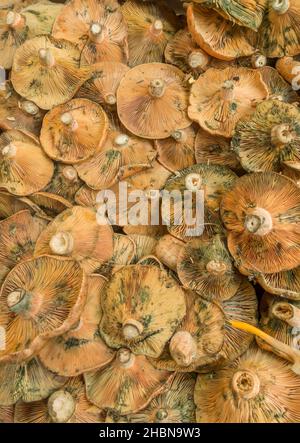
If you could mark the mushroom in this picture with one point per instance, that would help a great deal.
(220, 98)
(142, 306)
(76, 233)
(24, 168)
(66, 405)
(74, 131)
(86, 196)
(50, 204)
(167, 250)
(47, 71)
(145, 100)
(11, 204)
(123, 254)
(278, 88)
(126, 385)
(150, 27)
(65, 182)
(261, 214)
(31, 302)
(289, 68)
(285, 283)
(144, 245)
(96, 27)
(218, 37)
(256, 388)
(269, 137)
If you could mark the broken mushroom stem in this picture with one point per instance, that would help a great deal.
(61, 406)
(15, 20)
(70, 173)
(281, 135)
(15, 297)
(157, 88)
(157, 27)
(132, 329)
(281, 349)
(9, 151)
(287, 312)
(96, 32)
(245, 384)
(280, 6)
(126, 357)
(62, 243)
(179, 135)
(183, 348)
(110, 99)
(216, 267)
(259, 222)
(121, 140)
(29, 107)
(193, 182)
(198, 59)
(46, 57)
(227, 91)
(68, 120)
(258, 60)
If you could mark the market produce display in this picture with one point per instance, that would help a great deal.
(149, 211)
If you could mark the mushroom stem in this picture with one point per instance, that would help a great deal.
(198, 59)
(121, 140)
(193, 182)
(287, 312)
(157, 88)
(281, 6)
(281, 349)
(168, 249)
(61, 406)
(227, 90)
(183, 348)
(110, 99)
(70, 173)
(68, 120)
(157, 27)
(216, 267)
(258, 60)
(9, 151)
(29, 107)
(46, 58)
(259, 222)
(96, 32)
(15, 297)
(126, 357)
(62, 243)
(161, 415)
(132, 329)
(15, 20)
(281, 135)
(19, 302)
(179, 136)
(246, 384)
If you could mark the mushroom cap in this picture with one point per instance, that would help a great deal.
(76, 233)
(214, 149)
(74, 131)
(278, 88)
(285, 283)
(279, 33)
(66, 405)
(103, 83)
(256, 388)
(18, 234)
(120, 156)
(176, 405)
(150, 116)
(167, 250)
(28, 381)
(145, 314)
(205, 266)
(144, 245)
(127, 384)
(123, 254)
(287, 66)
(10, 38)
(7, 414)
(96, 27)
(10, 204)
(24, 167)
(40, 298)
(217, 36)
(150, 27)
(65, 182)
(219, 98)
(50, 204)
(269, 137)
(261, 214)
(177, 152)
(86, 196)
(52, 85)
(80, 349)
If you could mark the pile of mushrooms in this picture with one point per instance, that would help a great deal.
(104, 320)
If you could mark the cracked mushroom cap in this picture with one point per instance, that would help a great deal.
(17, 113)
(96, 27)
(150, 27)
(205, 266)
(7, 414)
(127, 384)
(74, 131)
(269, 137)
(280, 318)
(278, 88)
(103, 83)
(18, 235)
(279, 34)
(50, 204)
(120, 156)
(40, 298)
(18, 26)
(76, 233)
(28, 381)
(47, 71)
(285, 284)
(66, 405)
(177, 152)
(176, 405)
(142, 307)
(261, 214)
(24, 167)
(217, 36)
(256, 388)
(215, 149)
(220, 98)
(80, 349)
(65, 182)
(152, 100)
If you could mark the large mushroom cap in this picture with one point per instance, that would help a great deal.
(150, 27)
(278, 88)
(269, 137)
(152, 100)
(24, 167)
(74, 131)
(261, 213)
(219, 98)
(285, 283)
(50, 204)
(142, 306)
(256, 388)
(47, 71)
(33, 308)
(96, 27)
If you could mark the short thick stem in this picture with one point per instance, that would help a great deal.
(68, 120)
(121, 140)
(157, 27)
(157, 88)
(62, 243)
(287, 312)
(110, 99)
(246, 384)
(198, 59)
(183, 348)
(281, 6)
(46, 58)
(70, 173)
(29, 107)
(9, 151)
(179, 136)
(96, 32)
(227, 91)
(216, 267)
(281, 135)
(61, 406)
(132, 329)
(15, 20)
(161, 415)
(125, 357)
(258, 60)
(259, 222)
(193, 182)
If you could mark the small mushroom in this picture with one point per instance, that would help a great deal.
(65, 182)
